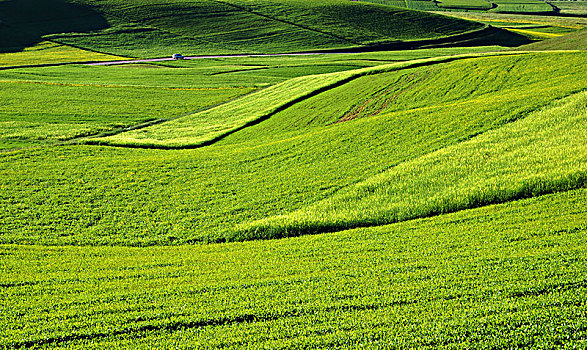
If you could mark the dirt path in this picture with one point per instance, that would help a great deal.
(214, 56)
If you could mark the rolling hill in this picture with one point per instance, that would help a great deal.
(432, 198)
(372, 123)
(158, 28)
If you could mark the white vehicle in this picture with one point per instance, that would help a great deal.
(177, 56)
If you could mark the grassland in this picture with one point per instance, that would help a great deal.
(573, 41)
(149, 197)
(60, 103)
(240, 26)
(438, 201)
(466, 4)
(497, 6)
(542, 153)
(51, 53)
(214, 124)
(208, 126)
(528, 6)
(26, 22)
(574, 8)
(504, 276)
(49, 104)
(534, 27)
(511, 19)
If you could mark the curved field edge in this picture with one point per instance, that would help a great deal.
(543, 153)
(509, 275)
(210, 126)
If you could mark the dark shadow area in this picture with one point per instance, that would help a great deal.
(23, 23)
(487, 36)
(497, 36)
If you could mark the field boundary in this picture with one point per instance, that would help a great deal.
(153, 122)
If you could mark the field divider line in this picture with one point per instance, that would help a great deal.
(78, 140)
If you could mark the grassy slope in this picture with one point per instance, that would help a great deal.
(208, 126)
(573, 41)
(85, 100)
(60, 103)
(25, 22)
(150, 197)
(505, 276)
(543, 153)
(51, 53)
(150, 29)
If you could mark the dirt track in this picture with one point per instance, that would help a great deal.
(213, 56)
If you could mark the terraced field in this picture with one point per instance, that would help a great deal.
(430, 198)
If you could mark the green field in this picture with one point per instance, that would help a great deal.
(411, 181)
(523, 7)
(278, 166)
(154, 29)
(573, 41)
(466, 4)
(506, 276)
(50, 104)
(498, 6)
(571, 7)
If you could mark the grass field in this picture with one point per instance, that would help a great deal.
(574, 41)
(151, 197)
(418, 199)
(241, 26)
(515, 6)
(571, 7)
(51, 53)
(61, 103)
(506, 276)
(499, 6)
(49, 104)
(542, 153)
(466, 4)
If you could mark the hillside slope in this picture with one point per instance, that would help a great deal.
(573, 41)
(159, 28)
(278, 166)
(543, 153)
(507, 276)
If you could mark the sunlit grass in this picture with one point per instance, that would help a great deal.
(543, 153)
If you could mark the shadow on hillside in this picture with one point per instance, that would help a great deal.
(500, 37)
(23, 23)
